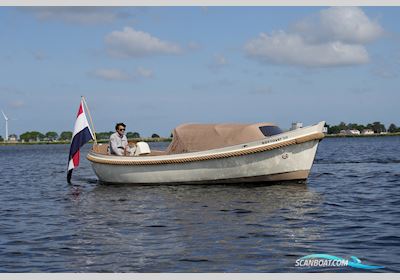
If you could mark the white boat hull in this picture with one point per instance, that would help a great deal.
(283, 157)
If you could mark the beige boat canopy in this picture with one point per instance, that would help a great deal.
(201, 137)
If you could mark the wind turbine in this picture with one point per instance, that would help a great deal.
(6, 119)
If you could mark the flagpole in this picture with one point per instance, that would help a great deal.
(90, 118)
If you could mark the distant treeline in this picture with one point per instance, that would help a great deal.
(129, 135)
(36, 136)
(377, 127)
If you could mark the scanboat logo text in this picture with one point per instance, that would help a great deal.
(324, 260)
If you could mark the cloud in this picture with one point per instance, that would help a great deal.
(133, 43)
(7, 91)
(212, 85)
(38, 55)
(113, 74)
(334, 37)
(80, 15)
(385, 68)
(292, 49)
(219, 61)
(13, 98)
(347, 24)
(144, 73)
(385, 73)
(262, 91)
(194, 46)
(386, 65)
(16, 104)
(361, 90)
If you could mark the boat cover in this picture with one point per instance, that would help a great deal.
(200, 137)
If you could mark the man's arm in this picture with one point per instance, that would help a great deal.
(127, 148)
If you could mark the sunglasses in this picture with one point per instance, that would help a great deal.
(123, 129)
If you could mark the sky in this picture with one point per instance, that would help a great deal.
(154, 68)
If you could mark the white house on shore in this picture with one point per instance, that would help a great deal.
(367, 132)
(350, 132)
(13, 138)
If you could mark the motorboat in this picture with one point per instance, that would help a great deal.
(215, 154)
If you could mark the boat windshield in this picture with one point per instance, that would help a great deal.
(270, 130)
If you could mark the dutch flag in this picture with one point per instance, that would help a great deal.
(82, 134)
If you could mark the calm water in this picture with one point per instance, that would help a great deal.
(349, 207)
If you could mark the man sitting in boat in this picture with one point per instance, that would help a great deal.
(118, 142)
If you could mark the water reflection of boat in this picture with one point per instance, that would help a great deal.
(237, 228)
(204, 154)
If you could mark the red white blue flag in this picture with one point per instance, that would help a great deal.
(82, 134)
